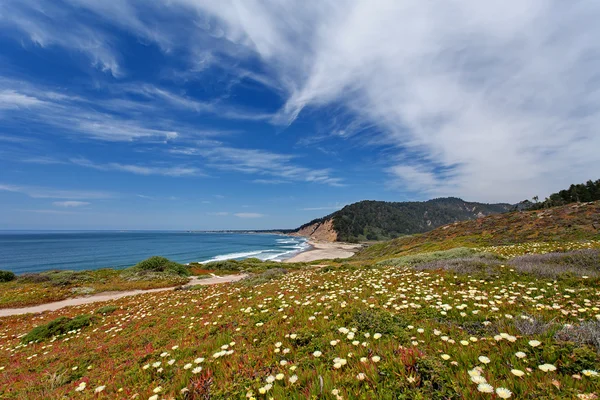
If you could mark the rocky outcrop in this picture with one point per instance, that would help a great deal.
(319, 231)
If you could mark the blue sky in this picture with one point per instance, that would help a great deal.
(186, 114)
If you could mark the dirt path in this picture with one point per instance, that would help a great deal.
(106, 296)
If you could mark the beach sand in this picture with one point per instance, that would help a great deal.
(325, 251)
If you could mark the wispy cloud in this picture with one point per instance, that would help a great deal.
(43, 24)
(261, 162)
(51, 193)
(70, 203)
(176, 171)
(269, 181)
(476, 88)
(11, 100)
(218, 213)
(249, 215)
(49, 211)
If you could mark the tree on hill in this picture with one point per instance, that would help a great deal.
(579, 193)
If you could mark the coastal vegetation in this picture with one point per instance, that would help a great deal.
(570, 227)
(38, 288)
(506, 306)
(382, 220)
(423, 331)
(7, 276)
(577, 193)
(152, 273)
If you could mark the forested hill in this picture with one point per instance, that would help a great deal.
(380, 220)
(579, 193)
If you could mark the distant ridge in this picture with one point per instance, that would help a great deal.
(381, 220)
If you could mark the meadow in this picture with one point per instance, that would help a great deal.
(153, 273)
(469, 325)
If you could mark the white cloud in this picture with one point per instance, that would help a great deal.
(269, 181)
(491, 100)
(48, 24)
(70, 203)
(218, 213)
(51, 193)
(502, 96)
(177, 171)
(261, 162)
(249, 215)
(10, 99)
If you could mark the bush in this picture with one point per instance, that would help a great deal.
(483, 263)
(57, 327)
(411, 260)
(106, 310)
(160, 264)
(530, 326)
(248, 265)
(33, 278)
(7, 276)
(586, 333)
(68, 278)
(265, 277)
(383, 322)
(553, 265)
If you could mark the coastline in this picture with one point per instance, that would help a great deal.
(321, 250)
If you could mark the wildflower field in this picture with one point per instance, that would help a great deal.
(335, 332)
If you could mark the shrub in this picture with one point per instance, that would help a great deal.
(530, 326)
(33, 278)
(68, 278)
(57, 327)
(369, 320)
(586, 333)
(248, 265)
(553, 265)
(411, 260)
(160, 264)
(484, 263)
(106, 310)
(7, 276)
(264, 277)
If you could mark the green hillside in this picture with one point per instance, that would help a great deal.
(573, 222)
(381, 220)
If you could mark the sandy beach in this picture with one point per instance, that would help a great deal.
(325, 251)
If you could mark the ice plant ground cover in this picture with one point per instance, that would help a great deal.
(335, 332)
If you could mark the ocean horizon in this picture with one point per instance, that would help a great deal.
(30, 251)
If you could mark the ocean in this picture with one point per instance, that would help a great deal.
(36, 251)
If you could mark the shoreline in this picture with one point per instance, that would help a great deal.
(321, 250)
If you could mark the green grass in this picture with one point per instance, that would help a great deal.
(57, 327)
(422, 258)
